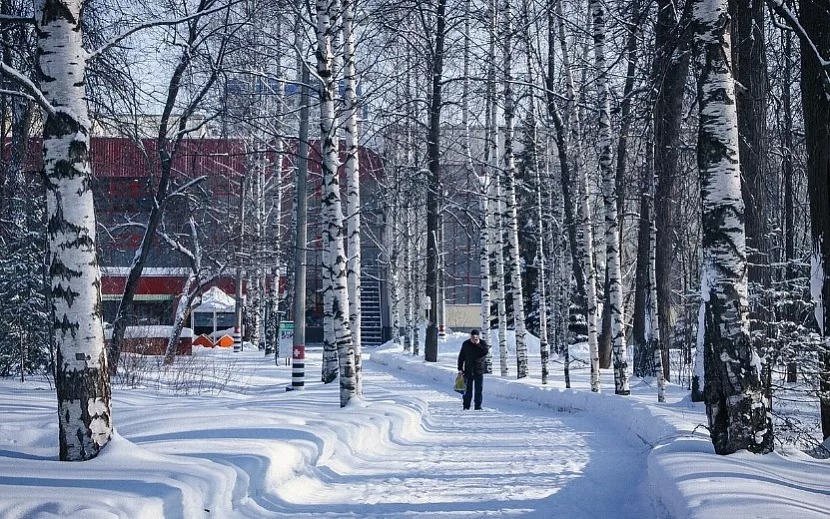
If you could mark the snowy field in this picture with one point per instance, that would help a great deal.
(219, 437)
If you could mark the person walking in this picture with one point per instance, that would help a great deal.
(472, 363)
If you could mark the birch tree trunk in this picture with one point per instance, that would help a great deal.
(483, 191)
(188, 295)
(257, 285)
(577, 169)
(614, 298)
(82, 379)
(510, 220)
(532, 147)
(735, 403)
(541, 259)
(587, 254)
(352, 183)
(408, 344)
(272, 343)
(561, 123)
(336, 296)
(491, 158)
(186, 299)
(653, 335)
(652, 345)
(498, 253)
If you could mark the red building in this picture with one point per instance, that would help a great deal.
(125, 180)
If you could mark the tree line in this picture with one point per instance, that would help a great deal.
(646, 177)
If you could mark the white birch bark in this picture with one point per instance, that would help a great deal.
(652, 316)
(187, 297)
(82, 379)
(418, 220)
(482, 185)
(496, 234)
(350, 102)
(612, 237)
(336, 296)
(272, 331)
(393, 232)
(499, 278)
(590, 276)
(408, 343)
(736, 406)
(541, 256)
(510, 220)
(256, 286)
(579, 172)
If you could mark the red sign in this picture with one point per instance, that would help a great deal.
(299, 353)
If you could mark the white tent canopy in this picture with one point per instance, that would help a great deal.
(214, 301)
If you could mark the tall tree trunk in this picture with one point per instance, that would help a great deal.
(815, 98)
(338, 338)
(670, 69)
(787, 168)
(352, 184)
(483, 189)
(640, 327)
(276, 261)
(577, 168)
(82, 379)
(191, 289)
(434, 183)
(750, 72)
(511, 220)
(166, 150)
(614, 297)
(736, 406)
(495, 195)
(655, 345)
(556, 33)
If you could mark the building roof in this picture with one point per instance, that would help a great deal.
(120, 157)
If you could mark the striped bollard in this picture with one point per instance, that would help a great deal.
(298, 369)
(237, 340)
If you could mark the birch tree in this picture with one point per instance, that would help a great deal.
(338, 335)
(510, 219)
(82, 377)
(736, 407)
(576, 168)
(491, 158)
(614, 297)
(353, 229)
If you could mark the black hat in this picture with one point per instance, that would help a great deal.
(474, 331)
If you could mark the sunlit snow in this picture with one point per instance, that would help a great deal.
(253, 450)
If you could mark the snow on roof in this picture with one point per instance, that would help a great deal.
(216, 300)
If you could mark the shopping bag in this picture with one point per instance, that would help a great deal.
(460, 386)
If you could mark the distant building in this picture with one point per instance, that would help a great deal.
(124, 183)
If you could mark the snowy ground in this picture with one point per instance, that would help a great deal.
(407, 450)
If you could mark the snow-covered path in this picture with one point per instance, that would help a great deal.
(249, 449)
(508, 460)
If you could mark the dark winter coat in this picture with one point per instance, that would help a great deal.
(471, 358)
